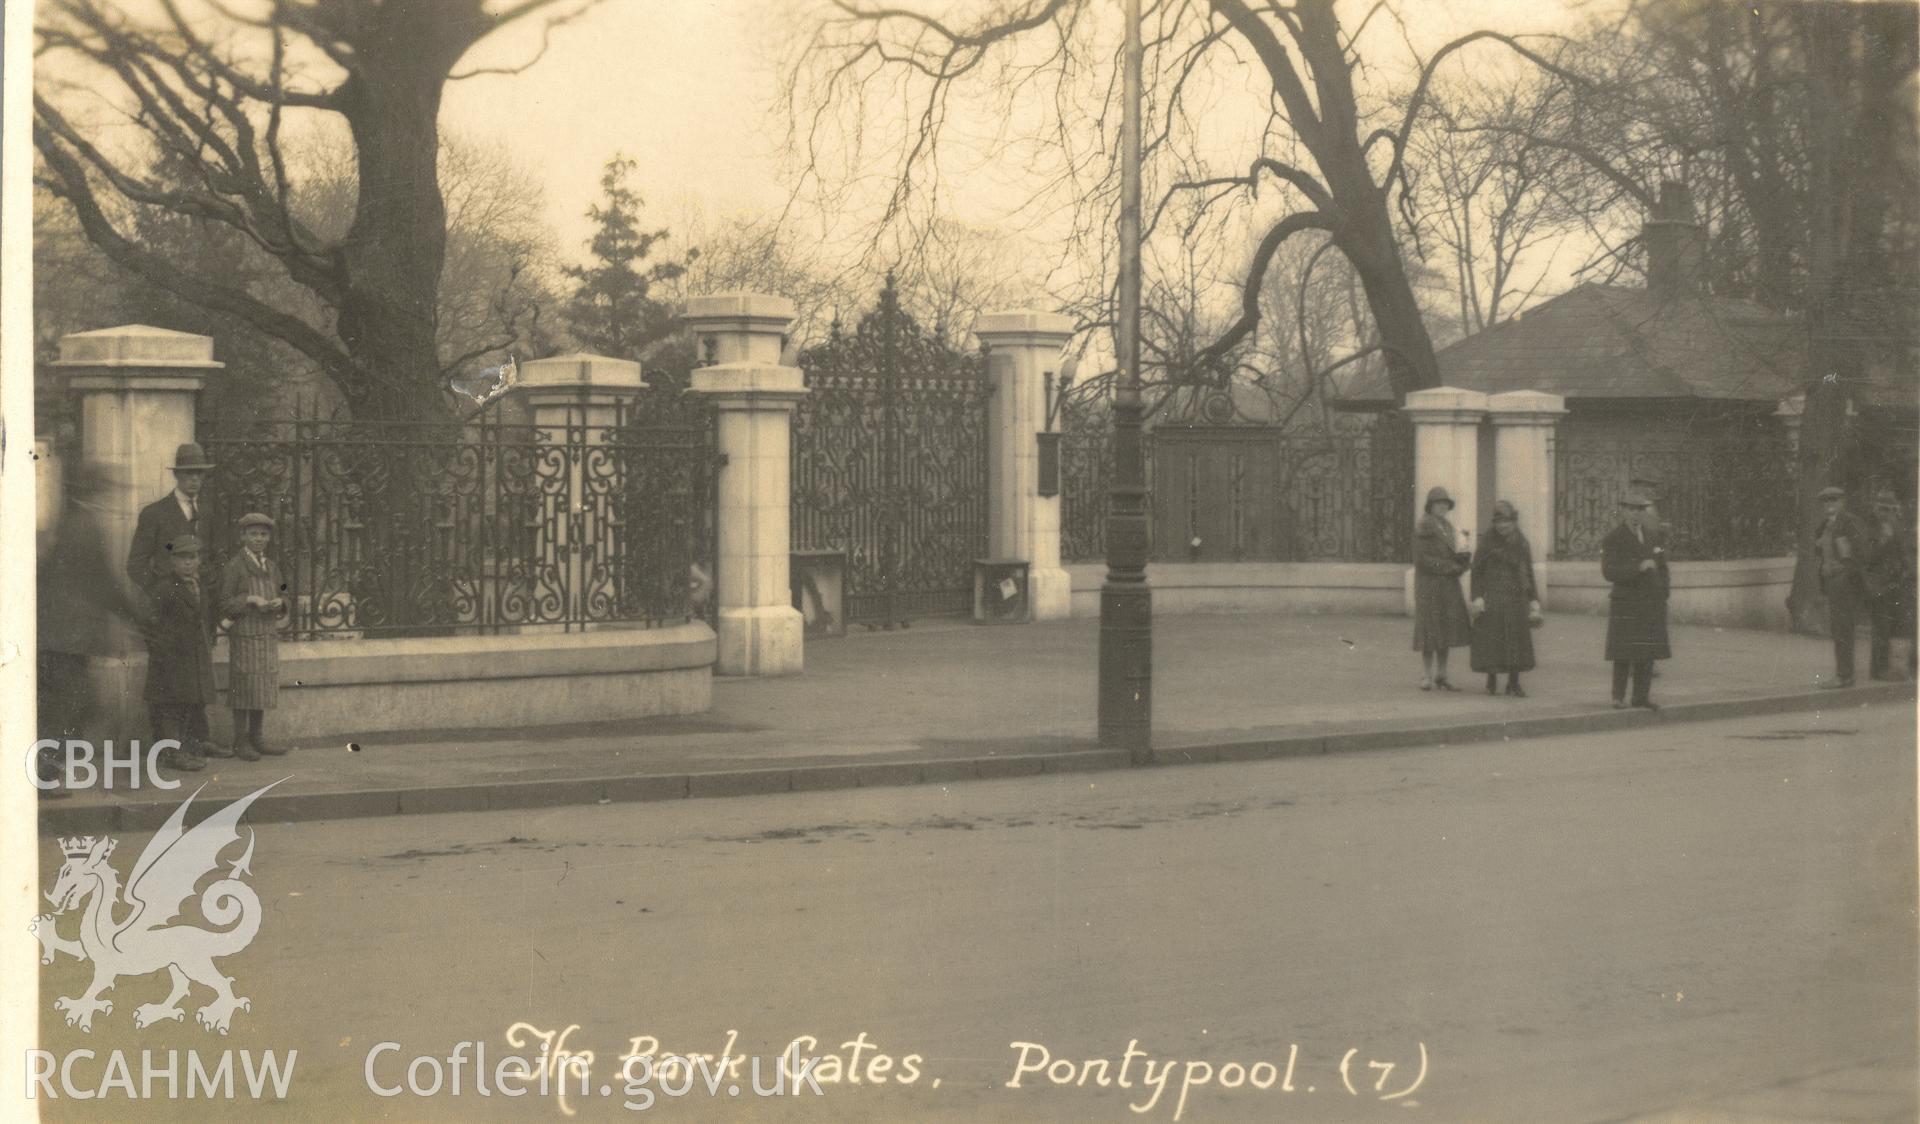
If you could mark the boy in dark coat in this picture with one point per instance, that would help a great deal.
(180, 653)
(1634, 558)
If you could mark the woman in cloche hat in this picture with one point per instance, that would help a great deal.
(1440, 620)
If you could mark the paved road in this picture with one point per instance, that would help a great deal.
(1709, 922)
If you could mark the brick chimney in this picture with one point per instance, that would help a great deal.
(1676, 246)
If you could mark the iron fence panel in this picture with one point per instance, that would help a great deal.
(1245, 492)
(1726, 492)
(489, 526)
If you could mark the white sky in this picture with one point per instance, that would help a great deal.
(674, 84)
(687, 88)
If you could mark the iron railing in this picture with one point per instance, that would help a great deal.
(488, 526)
(1721, 494)
(1246, 492)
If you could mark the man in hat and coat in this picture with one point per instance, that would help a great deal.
(1633, 557)
(1841, 545)
(165, 519)
(180, 650)
(1889, 578)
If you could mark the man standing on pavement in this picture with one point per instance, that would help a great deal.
(161, 522)
(1888, 575)
(1634, 559)
(1841, 544)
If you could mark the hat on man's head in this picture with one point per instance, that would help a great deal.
(1436, 495)
(184, 544)
(255, 519)
(191, 458)
(1635, 498)
(1833, 492)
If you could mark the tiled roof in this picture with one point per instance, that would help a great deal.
(1607, 342)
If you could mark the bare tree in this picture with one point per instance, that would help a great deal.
(1491, 198)
(1797, 123)
(217, 92)
(964, 270)
(1337, 163)
(763, 254)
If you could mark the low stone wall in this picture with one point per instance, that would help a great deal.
(1741, 594)
(1374, 588)
(1747, 593)
(475, 682)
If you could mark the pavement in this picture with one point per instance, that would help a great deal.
(946, 701)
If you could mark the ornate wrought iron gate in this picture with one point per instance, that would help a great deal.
(890, 466)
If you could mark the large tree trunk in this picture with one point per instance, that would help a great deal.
(397, 246)
(1411, 362)
(1364, 229)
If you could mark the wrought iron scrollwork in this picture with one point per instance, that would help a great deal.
(889, 464)
(487, 525)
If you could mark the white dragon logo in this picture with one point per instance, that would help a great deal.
(142, 942)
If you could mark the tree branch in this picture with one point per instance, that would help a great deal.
(1256, 277)
(71, 184)
(1419, 98)
(546, 37)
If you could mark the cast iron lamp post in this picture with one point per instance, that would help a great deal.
(1126, 603)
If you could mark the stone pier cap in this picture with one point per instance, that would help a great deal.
(583, 371)
(136, 345)
(740, 327)
(1024, 326)
(1515, 407)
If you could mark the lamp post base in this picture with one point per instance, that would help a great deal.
(1126, 668)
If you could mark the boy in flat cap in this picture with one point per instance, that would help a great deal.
(180, 654)
(1842, 545)
(1633, 557)
(250, 595)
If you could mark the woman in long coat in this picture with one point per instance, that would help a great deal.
(1440, 620)
(1505, 600)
